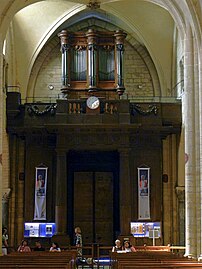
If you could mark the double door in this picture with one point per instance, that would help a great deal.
(93, 204)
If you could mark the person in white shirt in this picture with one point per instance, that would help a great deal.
(4, 241)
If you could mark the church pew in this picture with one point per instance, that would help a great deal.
(153, 248)
(160, 266)
(37, 263)
(151, 260)
(63, 260)
(157, 264)
(34, 264)
(128, 265)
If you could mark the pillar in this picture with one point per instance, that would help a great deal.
(1, 139)
(119, 41)
(170, 212)
(200, 113)
(197, 148)
(180, 191)
(188, 104)
(61, 193)
(63, 35)
(125, 192)
(92, 59)
(5, 207)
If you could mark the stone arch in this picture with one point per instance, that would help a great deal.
(54, 42)
(84, 20)
(180, 12)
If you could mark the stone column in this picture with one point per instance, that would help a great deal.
(1, 138)
(61, 193)
(5, 206)
(197, 149)
(188, 104)
(200, 120)
(180, 191)
(167, 215)
(125, 192)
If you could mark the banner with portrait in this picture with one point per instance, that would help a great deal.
(40, 193)
(143, 193)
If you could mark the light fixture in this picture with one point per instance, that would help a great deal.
(140, 86)
(51, 87)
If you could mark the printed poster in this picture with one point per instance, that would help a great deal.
(40, 193)
(143, 193)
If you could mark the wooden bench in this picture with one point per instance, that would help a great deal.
(152, 259)
(153, 248)
(39, 260)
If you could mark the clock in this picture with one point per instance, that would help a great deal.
(93, 102)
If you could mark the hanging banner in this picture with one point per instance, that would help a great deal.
(40, 193)
(143, 193)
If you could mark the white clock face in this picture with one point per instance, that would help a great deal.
(93, 102)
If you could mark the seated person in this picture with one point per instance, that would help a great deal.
(24, 247)
(128, 248)
(55, 248)
(117, 246)
(38, 246)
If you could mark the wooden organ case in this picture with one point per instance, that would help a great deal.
(92, 64)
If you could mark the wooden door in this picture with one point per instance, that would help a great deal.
(93, 206)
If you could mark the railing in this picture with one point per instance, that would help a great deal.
(73, 107)
(178, 249)
(153, 99)
(131, 98)
(109, 111)
(76, 107)
(106, 107)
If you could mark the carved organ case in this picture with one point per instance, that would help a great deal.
(92, 63)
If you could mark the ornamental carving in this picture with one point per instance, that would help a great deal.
(80, 47)
(107, 47)
(6, 195)
(93, 5)
(180, 191)
(64, 48)
(152, 109)
(34, 109)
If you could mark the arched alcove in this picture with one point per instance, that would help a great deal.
(137, 59)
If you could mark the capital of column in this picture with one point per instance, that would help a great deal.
(6, 195)
(91, 37)
(180, 191)
(63, 35)
(120, 37)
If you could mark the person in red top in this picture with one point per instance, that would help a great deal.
(24, 247)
